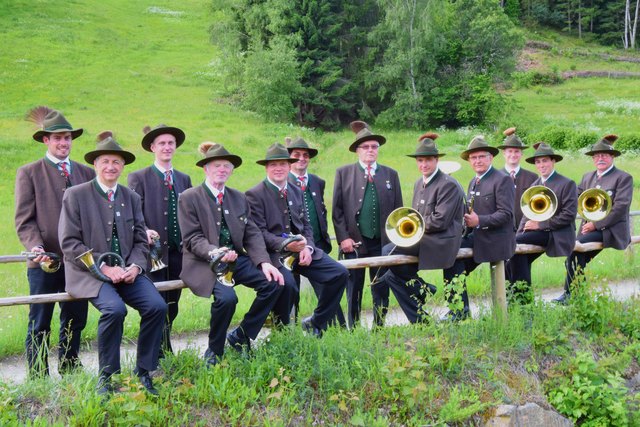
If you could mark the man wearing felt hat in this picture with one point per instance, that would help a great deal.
(439, 198)
(364, 194)
(312, 187)
(215, 220)
(556, 234)
(277, 208)
(489, 222)
(613, 230)
(104, 216)
(159, 187)
(38, 200)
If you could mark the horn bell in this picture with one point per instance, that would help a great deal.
(594, 204)
(404, 227)
(538, 203)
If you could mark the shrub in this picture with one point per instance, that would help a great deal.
(552, 135)
(629, 142)
(526, 79)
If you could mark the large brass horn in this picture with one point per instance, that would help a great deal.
(594, 204)
(222, 270)
(404, 227)
(50, 266)
(87, 259)
(155, 254)
(287, 258)
(538, 203)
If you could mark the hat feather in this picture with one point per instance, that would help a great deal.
(537, 144)
(287, 140)
(146, 129)
(38, 114)
(358, 125)
(205, 146)
(428, 135)
(611, 139)
(104, 135)
(509, 131)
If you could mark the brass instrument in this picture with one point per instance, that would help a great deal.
(92, 265)
(155, 254)
(222, 270)
(287, 258)
(538, 203)
(50, 266)
(594, 204)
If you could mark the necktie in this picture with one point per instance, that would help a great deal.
(63, 168)
(168, 180)
(220, 196)
(110, 195)
(303, 185)
(283, 193)
(369, 176)
(512, 174)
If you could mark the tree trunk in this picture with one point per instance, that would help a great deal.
(412, 10)
(635, 26)
(579, 19)
(627, 19)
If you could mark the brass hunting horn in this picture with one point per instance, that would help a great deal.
(222, 270)
(538, 203)
(594, 204)
(93, 266)
(287, 258)
(50, 266)
(155, 254)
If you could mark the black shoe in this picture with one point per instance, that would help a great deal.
(562, 299)
(310, 328)
(428, 286)
(210, 358)
(69, 366)
(105, 386)
(147, 383)
(456, 315)
(238, 341)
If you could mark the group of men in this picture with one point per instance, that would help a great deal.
(273, 233)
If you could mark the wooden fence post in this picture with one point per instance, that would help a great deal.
(498, 291)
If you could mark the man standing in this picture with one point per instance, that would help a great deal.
(490, 226)
(364, 194)
(556, 234)
(312, 187)
(159, 186)
(277, 209)
(103, 216)
(439, 198)
(38, 200)
(215, 219)
(613, 230)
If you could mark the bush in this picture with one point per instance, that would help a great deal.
(577, 139)
(553, 135)
(526, 79)
(628, 142)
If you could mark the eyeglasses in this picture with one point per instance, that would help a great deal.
(601, 155)
(367, 147)
(478, 157)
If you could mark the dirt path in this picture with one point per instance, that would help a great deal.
(13, 369)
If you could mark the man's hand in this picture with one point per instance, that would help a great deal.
(116, 274)
(151, 235)
(272, 273)
(471, 219)
(347, 245)
(588, 227)
(297, 246)
(304, 258)
(531, 225)
(230, 256)
(130, 274)
(40, 258)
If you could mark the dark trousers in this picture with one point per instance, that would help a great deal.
(405, 284)
(225, 300)
(355, 287)
(331, 279)
(461, 266)
(143, 296)
(172, 297)
(73, 318)
(520, 264)
(577, 261)
(338, 319)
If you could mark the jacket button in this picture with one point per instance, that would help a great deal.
(108, 239)
(109, 223)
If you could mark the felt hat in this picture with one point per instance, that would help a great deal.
(605, 145)
(300, 144)
(363, 133)
(50, 121)
(151, 134)
(214, 151)
(512, 140)
(108, 145)
(478, 143)
(543, 150)
(276, 151)
(427, 146)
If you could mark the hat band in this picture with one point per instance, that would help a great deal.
(57, 127)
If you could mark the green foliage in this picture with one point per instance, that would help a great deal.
(526, 79)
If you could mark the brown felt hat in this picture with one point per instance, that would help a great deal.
(151, 134)
(53, 122)
(108, 145)
(427, 146)
(478, 143)
(363, 134)
(605, 145)
(543, 150)
(214, 151)
(300, 144)
(512, 140)
(276, 151)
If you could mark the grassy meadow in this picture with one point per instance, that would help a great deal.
(123, 64)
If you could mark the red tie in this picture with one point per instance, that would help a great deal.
(513, 175)
(220, 196)
(302, 179)
(110, 194)
(369, 176)
(283, 193)
(167, 179)
(63, 168)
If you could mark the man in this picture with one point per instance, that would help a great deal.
(364, 194)
(489, 222)
(556, 234)
(215, 219)
(439, 198)
(613, 231)
(512, 149)
(277, 209)
(159, 187)
(312, 187)
(106, 217)
(38, 200)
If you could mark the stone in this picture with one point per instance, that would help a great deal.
(528, 415)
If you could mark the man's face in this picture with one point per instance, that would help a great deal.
(602, 161)
(480, 161)
(277, 171)
(218, 172)
(164, 147)
(300, 167)
(368, 152)
(545, 166)
(108, 168)
(512, 156)
(427, 165)
(58, 144)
